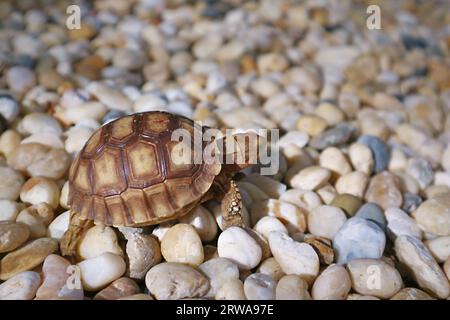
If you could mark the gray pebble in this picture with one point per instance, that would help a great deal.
(380, 150)
(421, 171)
(333, 137)
(371, 211)
(411, 202)
(9, 108)
(359, 238)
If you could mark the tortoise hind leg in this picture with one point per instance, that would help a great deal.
(231, 206)
(72, 236)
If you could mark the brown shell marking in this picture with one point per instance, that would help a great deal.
(126, 174)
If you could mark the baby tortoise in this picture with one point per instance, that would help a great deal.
(129, 173)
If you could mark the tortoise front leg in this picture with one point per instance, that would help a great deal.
(231, 206)
(72, 236)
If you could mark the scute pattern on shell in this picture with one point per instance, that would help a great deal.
(125, 174)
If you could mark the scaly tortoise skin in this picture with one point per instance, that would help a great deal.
(125, 176)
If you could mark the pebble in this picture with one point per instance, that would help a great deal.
(358, 239)
(311, 178)
(12, 235)
(120, 288)
(219, 271)
(45, 138)
(380, 151)
(384, 190)
(439, 248)
(272, 268)
(292, 287)
(305, 200)
(39, 160)
(361, 158)
(333, 283)
(347, 202)
(338, 135)
(111, 98)
(327, 194)
(424, 268)
(325, 221)
(269, 224)
(411, 294)
(433, 215)
(27, 257)
(293, 218)
(334, 159)
(271, 187)
(421, 171)
(97, 241)
(11, 182)
(237, 245)
(182, 244)
(372, 212)
(296, 138)
(259, 286)
(332, 115)
(231, 290)
(112, 266)
(84, 111)
(55, 273)
(322, 246)
(9, 141)
(9, 210)
(353, 183)
(143, 252)
(174, 281)
(37, 122)
(59, 225)
(22, 286)
(203, 222)
(400, 223)
(20, 79)
(374, 278)
(311, 125)
(411, 202)
(294, 257)
(38, 190)
(9, 108)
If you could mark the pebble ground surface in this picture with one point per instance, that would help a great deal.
(360, 205)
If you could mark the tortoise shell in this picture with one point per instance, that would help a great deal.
(129, 174)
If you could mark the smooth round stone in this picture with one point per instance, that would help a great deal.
(372, 212)
(259, 286)
(338, 135)
(333, 159)
(9, 141)
(84, 111)
(411, 202)
(384, 190)
(129, 59)
(9, 108)
(333, 283)
(40, 160)
(12, 235)
(273, 188)
(63, 198)
(108, 96)
(262, 242)
(9, 210)
(380, 151)
(292, 216)
(112, 266)
(311, 125)
(296, 138)
(27, 257)
(305, 200)
(20, 79)
(311, 178)
(327, 194)
(268, 224)
(23, 286)
(143, 252)
(59, 225)
(56, 272)
(161, 229)
(45, 138)
(322, 246)
(439, 248)
(400, 223)
(398, 160)
(294, 257)
(411, 294)
(37, 190)
(10, 183)
(427, 273)
(231, 290)
(97, 241)
(421, 171)
(182, 244)
(77, 138)
(122, 287)
(353, 183)
(358, 239)
(361, 158)
(237, 245)
(347, 202)
(173, 281)
(292, 287)
(203, 222)
(37, 122)
(325, 221)
(374, 278)
(36, 218)
(433, 216)
(330, 112)
(219, 271)
(272, 268)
